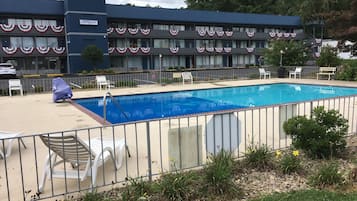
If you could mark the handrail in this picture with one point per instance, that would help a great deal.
(115, 102)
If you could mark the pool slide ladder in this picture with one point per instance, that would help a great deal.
(116, 103)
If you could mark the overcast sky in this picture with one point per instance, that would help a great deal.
(152, 3)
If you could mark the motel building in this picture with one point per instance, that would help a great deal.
(48, 36)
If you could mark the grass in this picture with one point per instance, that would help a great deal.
(311, 195)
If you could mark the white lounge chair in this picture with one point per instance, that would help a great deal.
(102, 82)
(295, 73)
(263, 73)
(6, 152)
(15, 85)
(186, 76)
(77, 152)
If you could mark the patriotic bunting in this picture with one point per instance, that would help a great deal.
(7, 27)
(209, 49)
(250, 49)
(43, 50)
(59, 50)
(133, 50)
(250, 34)
(57, 29)
(227, 49)
(229, 33)
(201, 32)
(120, 30)
(110, 30)
(145, 50)
(220, 33)
(211, 33)
(133, 31)
(174, 50)
(24, 27)
(145, 32)
(41, 28)
(272, 34)
(26, 50)
(219, 49)
(111, 50)
(10, 50)
(174, 32)
(121, 50)
(200, 49)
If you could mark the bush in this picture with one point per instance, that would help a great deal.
(321, 136)
(289, 162)
(176, 186)
(327, 175)
(137, 189)
(348, 71)
(328, 57)
(219, 173)
(259, 157)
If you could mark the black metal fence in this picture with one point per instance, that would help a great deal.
(62, 163)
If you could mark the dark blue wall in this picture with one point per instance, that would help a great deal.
(80, 35)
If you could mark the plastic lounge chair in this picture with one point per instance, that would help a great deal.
(263, 73)
(102, 82)
(15, 85)
(4, 137)
(61, 90)
(295, 73)
(186, 76)
(77, 152)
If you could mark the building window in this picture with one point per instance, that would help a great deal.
(163, 27)
(161, 43)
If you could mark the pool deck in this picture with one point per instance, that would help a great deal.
(36, 113)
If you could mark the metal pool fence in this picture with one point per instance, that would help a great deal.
(153, 147)
(131, 79)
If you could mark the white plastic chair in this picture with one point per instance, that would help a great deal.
(295, 73)
(263, 73)
(186, 76)
(4, 137)
(102, 82)
(15, 84)
(77, 152)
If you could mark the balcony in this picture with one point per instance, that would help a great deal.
(11, 29)
(31, 51)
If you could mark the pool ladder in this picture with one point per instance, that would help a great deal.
(108, 94)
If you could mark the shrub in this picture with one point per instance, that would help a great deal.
(259, 157)
(320, 136)
(176, 186)
(137, 189)
(328, 57)
(290, 162)
(93, 196)
(348, 71)
(327, 175)
(219, 173)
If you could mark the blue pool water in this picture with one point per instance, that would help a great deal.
(158, 105)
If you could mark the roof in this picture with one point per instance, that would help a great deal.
(32, 7)
(199, 16)
(56, 7)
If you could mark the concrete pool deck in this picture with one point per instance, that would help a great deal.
(36, 114)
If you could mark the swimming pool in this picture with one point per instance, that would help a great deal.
(169, 104)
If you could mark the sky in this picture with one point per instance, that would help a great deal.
(152, 3)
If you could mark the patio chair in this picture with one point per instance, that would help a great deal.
(15, 85)
(77, 152)
(263, 73)
(186, 76)
(9, 137)
(295, 72)
(102, 82)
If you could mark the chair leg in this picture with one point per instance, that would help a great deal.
(10, 92)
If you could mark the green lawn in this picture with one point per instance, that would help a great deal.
(311, 195)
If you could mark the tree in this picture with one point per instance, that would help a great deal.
(328, 57)
(291, 53)
(93, 55)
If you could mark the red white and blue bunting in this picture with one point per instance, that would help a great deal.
(174, 50)
(59, 50)
(210, 49)
(272, 34)
(111, 50)
(41, 28)
(200, 49)
(286, 35)
(293, 35)
(27, 50)
(7, 27)
(201, 32)
(121, 50)
(120, 30)
(110, 30)
(145, 50)
(43, 50)
(250, 49)
(10, 50)
(250, 33)
(229, 33)
(133, 50)
(133, 31)
(174, 32)
(227, 49)
(145, 32)
(211, 33)
(220, 33)
(279, 34)
(57, 29)
(24, 27)
(219, 49)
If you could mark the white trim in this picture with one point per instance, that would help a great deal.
(86, 34)
(85, 12)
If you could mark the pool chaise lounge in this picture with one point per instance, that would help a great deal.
(10, 137)
(71, 149)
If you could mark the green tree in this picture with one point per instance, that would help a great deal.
(328, 57)
(93, 55)
(293, 53)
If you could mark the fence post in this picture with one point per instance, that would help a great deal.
(149, 149)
